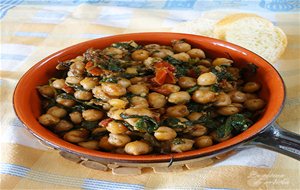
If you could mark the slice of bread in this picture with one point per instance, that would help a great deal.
(254, 33)
(200, 26)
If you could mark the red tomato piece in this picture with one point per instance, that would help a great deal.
(160, 76)
(105, 122)
(164, 64)
(95, 71)
(68, 89)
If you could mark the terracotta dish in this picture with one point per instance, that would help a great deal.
(264, 133)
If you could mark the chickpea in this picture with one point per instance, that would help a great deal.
(215, 137)
(157, 100)
(104, 144)
(177, 111)
(137, 148)
(238, 105)
(139, 89)
(251, 87)
(65, 102)
(131, 70)
(137, 80)
(162, 53)
(79, 58)
(48, 120)
(113, 89)
(237, 96)
(92, 115)
(76, 117)
(194, 116)
(139, 102)
(140, 55)
(99, 130)
(204, 96)
(196, 53)
(98, 93)
(181, 145)
(228, 110)
(222, 100)
(59, 83)
(203, 141)
(164, 133)
(57, 112)
(118, 140)
(118, 103)
(186, 82)
(250, 96)
(152, 46)
(222, 62)
(167, 89)
(76, 136)
(89, 83)
(138, 111)
(180, 97)
(227, 87)
(124, 82)
(116, 127)
(63, 125)
(46, 90)
(114, 52)
(73, 80)
(180, 46)
(235, 72)
(203, 69)
(206, 79)
(83, 95)
(254, 104)
(182, 57)
(78, 67)
(93, 144)
(198, 130)
(205, 62)
(115, 113)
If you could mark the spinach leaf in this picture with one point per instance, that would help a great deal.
(193, 89)
(173, 122)
(250, 70)
(207, 121)
(237, 122)
(110, 79)
(90, 125)
(64, 65)
(222, 74)
(76, 86)
(224, 130)
(174, 61)
(79, 108)
(130, 46)
(152, 140)
(130, 127)
(194, 107)
(114, 65)
(178, 141)
(82, 103)
(144, 123)
(215, 88)
(181, 67)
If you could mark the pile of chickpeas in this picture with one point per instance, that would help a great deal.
(105, 102)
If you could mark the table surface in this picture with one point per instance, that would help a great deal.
(32, 30)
